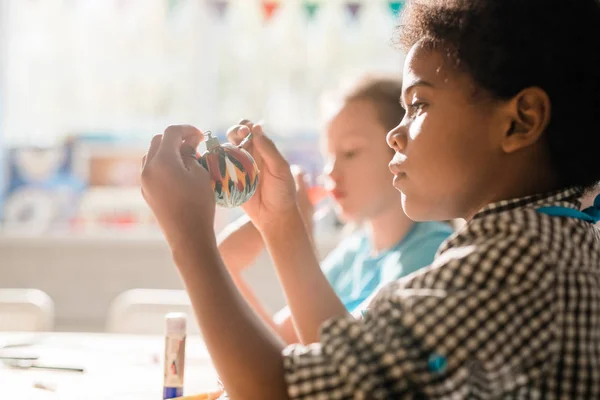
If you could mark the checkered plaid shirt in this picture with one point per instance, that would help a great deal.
(509, 309)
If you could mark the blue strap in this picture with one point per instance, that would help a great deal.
(590, 214)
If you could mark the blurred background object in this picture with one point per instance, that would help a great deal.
(84, 85)
(26, 310)
(142, 311)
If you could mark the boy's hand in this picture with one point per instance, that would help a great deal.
(276, 193)
(176, 187)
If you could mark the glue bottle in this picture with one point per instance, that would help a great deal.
(174, 367)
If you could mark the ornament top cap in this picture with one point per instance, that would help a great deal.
(211, 141)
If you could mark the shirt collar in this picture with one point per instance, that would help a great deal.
(568, 197)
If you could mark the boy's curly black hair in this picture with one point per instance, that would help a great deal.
(509, 45)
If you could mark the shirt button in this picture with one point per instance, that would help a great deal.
(437, 363)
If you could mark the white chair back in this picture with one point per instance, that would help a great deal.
(142, 311)
(26, 310)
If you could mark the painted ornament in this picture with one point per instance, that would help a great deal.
(232, 169)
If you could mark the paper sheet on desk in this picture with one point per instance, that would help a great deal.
(23, 388)
(116, 367)
(102, 383)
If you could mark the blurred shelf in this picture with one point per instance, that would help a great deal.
(110, 238)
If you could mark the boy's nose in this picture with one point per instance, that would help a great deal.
(397, 139)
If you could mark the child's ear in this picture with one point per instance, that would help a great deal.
(529, 114)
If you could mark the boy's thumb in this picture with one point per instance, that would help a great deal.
(269, 153)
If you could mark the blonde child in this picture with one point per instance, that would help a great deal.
(388, 244)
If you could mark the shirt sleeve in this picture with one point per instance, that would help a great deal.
(481, 321)
(337, 266)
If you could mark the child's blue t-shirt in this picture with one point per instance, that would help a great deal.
(355, 274)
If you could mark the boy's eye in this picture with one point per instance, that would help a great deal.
(416, 107)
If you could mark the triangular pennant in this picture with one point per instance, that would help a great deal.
(269, 8)
(353, 8)
(311, 8)
(219, 7)
(395, 7)
(172, 5)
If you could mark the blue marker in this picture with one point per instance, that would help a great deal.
(175, 336)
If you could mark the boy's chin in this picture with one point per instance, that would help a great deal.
(421, 211)
(417, 210)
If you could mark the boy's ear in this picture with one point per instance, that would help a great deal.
(528, 115)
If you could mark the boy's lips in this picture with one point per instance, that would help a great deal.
(398, 178)
(396, 169)
(396, 164)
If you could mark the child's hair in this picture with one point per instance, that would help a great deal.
(509, 45)
(381, 90)
(384, 93)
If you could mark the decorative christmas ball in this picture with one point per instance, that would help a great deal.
(233, 172)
